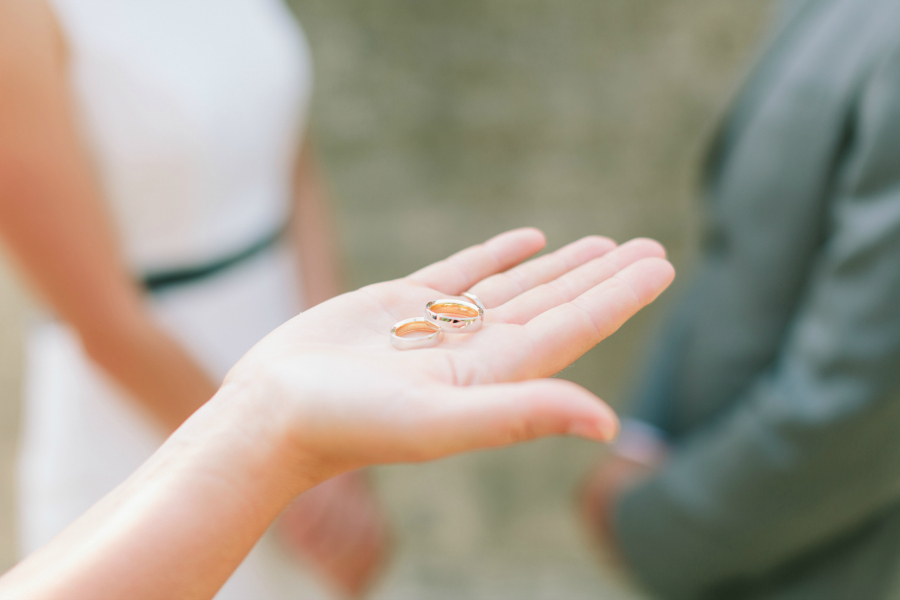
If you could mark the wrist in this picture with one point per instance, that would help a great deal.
(244, 433)
(182, 523)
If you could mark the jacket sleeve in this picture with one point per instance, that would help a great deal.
(812, 450)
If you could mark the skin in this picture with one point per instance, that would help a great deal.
(326, 393)
(54, 223)
(338, 528)
(612, 477)
(603, 486)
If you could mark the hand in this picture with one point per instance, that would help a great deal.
(635, 456)
(326, 393)
(598, 499)
(339, 528)
(342, 397)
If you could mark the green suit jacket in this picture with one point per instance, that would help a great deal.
(778, 378)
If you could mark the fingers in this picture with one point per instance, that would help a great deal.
(501, 414)
(502, 287)
(562, 334)
(464, 269)
(574, 283)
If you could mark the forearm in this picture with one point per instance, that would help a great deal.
(326, 393)
(153, 367)
(61, 241)
(314, 234)
(183, 522)
(54, 223)
(805, 455)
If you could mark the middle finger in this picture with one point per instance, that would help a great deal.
(503, 287)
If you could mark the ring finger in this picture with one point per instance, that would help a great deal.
(572, 284)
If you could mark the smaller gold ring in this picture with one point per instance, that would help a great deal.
(454, 316)
(399, 332)
(474, 299)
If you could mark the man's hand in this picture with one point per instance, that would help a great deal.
(611, 478)
(637, 454)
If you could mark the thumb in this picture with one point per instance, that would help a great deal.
(502, 414)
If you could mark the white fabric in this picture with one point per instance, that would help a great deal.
(192, 109)
(193, 113)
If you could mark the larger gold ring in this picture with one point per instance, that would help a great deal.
(401, 339)
(454, 316)
(475, 299)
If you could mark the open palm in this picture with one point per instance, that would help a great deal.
(351, 399)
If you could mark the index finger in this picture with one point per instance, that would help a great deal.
(458, 273)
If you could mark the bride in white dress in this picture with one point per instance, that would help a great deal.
(155, 150)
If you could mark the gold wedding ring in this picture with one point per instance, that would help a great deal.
(474, 299)
(402, 339)
(455, 316)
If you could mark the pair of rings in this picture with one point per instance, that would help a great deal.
(445, 315)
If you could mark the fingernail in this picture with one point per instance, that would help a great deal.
(612, 429)
(604, 430)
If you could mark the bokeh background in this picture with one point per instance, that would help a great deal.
(440, 123)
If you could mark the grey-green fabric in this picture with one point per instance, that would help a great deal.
(778, 377)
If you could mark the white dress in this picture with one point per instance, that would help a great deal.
(193, 111)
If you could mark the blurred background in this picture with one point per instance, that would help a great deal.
(441, 123)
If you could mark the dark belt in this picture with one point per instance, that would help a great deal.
(161, 280)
